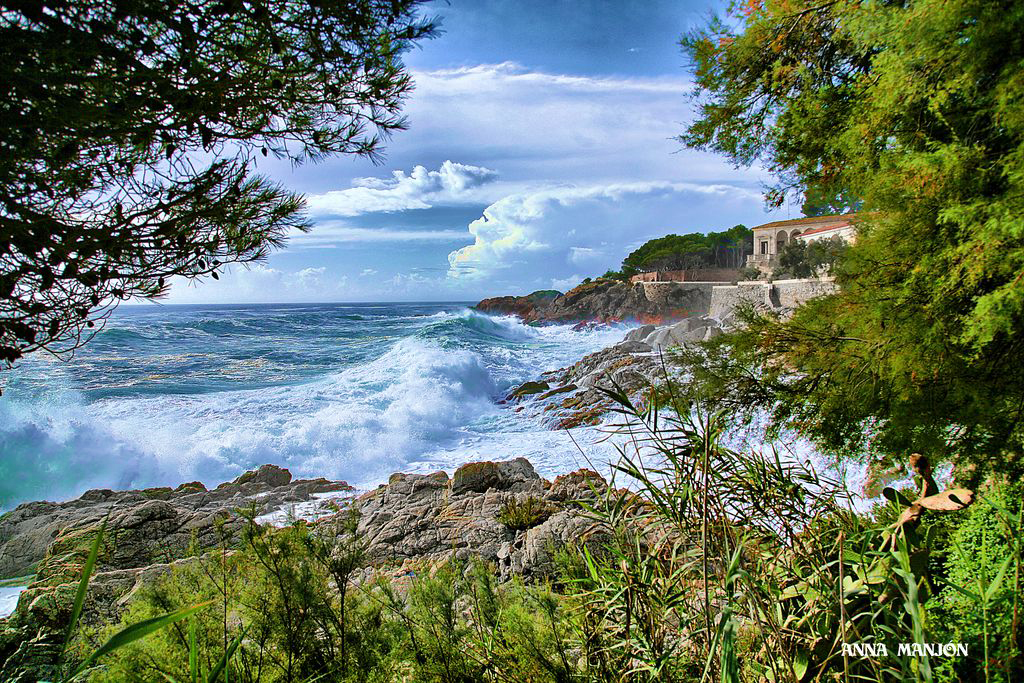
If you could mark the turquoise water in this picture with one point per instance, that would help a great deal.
(166, 394)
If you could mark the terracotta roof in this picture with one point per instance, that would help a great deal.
(840, 219)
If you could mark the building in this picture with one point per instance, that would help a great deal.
(771, 238)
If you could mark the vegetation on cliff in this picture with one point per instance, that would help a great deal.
(725, 249)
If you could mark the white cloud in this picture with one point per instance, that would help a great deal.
(261, 283)
(367, 272)
(566, 283)
(550, 233)
(586, 255)
(544, 126)
(484, 78)
(332, 232)
(452, 183)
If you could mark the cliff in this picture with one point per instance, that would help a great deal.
(608, 301)
(527, 307)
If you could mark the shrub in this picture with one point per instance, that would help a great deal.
(980, 602)
(520, 514)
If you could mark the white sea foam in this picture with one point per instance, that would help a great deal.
(427, 402)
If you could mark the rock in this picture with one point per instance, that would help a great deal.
(578, 485)
(558, 390)
(152, 524)
(529, 307)
(271, 475)
(424, 519)
(602, 301)
(479, 477)
(660, 338)
(633, 347)
(712, 332)
(528, 389)
(639, 333)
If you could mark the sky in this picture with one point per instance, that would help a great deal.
(540, 151)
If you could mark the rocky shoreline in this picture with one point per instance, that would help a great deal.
(408, 523)
(601, 301)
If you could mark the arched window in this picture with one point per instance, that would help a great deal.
(780, 241)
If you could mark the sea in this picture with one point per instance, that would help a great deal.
(166, 394)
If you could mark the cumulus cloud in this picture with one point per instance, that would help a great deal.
(550, 126)
(551, 233)
(566, 283)
(452, 183)
(335, 232)
(261, 283)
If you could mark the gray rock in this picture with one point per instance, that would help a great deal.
(633, 347)
(149, 525)
(425, 519)
(712, 332)
(639, 333)
(479, 477)
(661, 337)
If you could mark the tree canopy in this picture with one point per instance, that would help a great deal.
(130, 130)
(916, 111)
(725, 249)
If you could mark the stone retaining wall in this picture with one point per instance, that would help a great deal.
(693, 297)
(778, 294)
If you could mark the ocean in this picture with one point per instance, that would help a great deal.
(167, 394)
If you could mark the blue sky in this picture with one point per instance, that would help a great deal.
(539, 152)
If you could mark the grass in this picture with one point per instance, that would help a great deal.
(520, 514)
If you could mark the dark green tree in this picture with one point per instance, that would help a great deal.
(130, 129)
(802, 259)
(726, 249)
(915, 110)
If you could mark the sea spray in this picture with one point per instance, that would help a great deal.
(342, 391)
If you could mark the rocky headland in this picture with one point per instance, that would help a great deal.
(600, 301)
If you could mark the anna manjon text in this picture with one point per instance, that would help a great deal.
(905, 650)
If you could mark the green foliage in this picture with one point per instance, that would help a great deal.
(726, 249)
(981, 602)
(801, 259)
(734, 565)
(122, 638)
(914, 111)
(273, 615)
(295, 604)
(619, 275)
(520, 514)
(131, 132)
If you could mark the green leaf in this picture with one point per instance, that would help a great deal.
(997, 582)
(141, 629)
(971, 596)
(228, 654)
(894, 496)
(193, 651)
(83, 584)
(800, 664)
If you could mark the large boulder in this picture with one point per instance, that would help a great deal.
(479, 477)
(270, 475)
